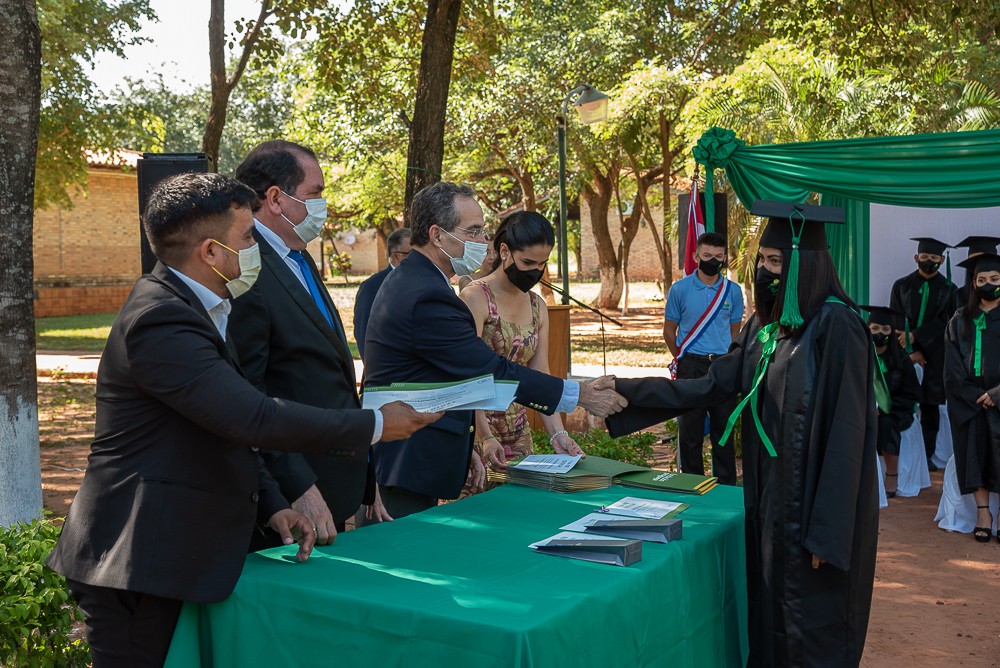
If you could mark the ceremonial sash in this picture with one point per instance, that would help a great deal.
(706, 319)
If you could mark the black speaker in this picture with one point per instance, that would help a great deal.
(153, 168)
(721, 220)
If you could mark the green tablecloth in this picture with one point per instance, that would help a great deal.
(458, 586)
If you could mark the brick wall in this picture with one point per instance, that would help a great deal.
(644, 264)
(79, 300)
(87, 257)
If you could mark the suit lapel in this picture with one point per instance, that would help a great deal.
(301, 297)
(225, 346)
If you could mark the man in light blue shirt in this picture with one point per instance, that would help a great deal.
(703, 315)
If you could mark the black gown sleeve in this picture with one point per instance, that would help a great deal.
(654, 400)
(906, 395)
(842, 436)
(961, 390)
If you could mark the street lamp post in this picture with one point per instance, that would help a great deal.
(592, 105)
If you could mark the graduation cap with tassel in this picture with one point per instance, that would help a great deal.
(795, 227)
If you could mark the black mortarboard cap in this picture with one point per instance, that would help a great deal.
(979, 244)
(883, 315)
(781, 215)
(930, 245)
(981, 262)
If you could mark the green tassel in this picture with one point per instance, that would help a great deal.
(790, 315)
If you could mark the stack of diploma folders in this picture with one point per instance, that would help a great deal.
(557, 474)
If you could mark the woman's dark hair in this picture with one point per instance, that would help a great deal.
(523, 230)
(971, 309)
(818, 280)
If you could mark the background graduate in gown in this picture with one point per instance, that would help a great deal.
(899, 386)
(805, 365)
(972, 383)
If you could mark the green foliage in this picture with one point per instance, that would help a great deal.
(36, 610)
(72, 118)
(632, 449)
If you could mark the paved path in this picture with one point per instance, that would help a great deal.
(86, 363)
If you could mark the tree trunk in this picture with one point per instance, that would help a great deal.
(20, 94)
(223, 85)
(426, 151)
(598, 192)
(667, 258)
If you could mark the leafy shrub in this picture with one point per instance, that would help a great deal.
(36, 610)
(633, 449)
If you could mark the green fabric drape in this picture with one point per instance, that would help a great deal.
(947, 170)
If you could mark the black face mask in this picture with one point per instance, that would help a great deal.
(522, 279)
(766, 284)
(880, 339)
(988, 292)
(928, 266)
(710, 267)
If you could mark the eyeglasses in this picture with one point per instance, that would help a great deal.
(474, 232)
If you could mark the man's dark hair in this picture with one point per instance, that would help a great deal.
(397, 239)
(523, 230)
(186, 209)
(818, 280)
(435, 205)
(273, 163)
(712, 239)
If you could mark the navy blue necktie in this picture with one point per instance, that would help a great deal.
(313, 287)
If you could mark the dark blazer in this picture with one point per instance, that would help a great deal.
(289, 351)
(420, 331)
(363, 305)
(172, 487)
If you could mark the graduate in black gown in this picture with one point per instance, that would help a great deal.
(897, 389)
(805, 365)
(927, 300)
(972, 383)
(977, 245)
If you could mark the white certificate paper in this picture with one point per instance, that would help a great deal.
(548, 463)
(432, 397)
(650, 509)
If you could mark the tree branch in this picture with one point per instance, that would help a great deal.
(266, 10)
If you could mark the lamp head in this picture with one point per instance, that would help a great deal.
(592, 105)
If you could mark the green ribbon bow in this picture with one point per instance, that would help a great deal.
(714, 149)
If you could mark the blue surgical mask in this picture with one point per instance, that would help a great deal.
(312, 224)
(472, 257)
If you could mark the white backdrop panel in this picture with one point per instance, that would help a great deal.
(891, 248)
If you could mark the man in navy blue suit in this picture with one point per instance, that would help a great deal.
(397, 247)
(420, 331)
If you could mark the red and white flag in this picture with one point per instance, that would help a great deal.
(695, 228)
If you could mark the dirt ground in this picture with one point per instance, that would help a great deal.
(937, 595)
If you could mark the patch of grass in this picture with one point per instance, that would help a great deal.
(76, 332)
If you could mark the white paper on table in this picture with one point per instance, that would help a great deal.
(633, 506)
(548, 463)
(503, 397)
(569, 535)
(438, 397)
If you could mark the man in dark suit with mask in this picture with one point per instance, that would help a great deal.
(420, 331)
(174, 482)
(290, 337)
(398, 247)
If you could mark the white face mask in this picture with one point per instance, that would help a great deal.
(249, 270)
(312, 224)
(472, 256)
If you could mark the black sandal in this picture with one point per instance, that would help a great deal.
(892, 494)
(982, 534)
